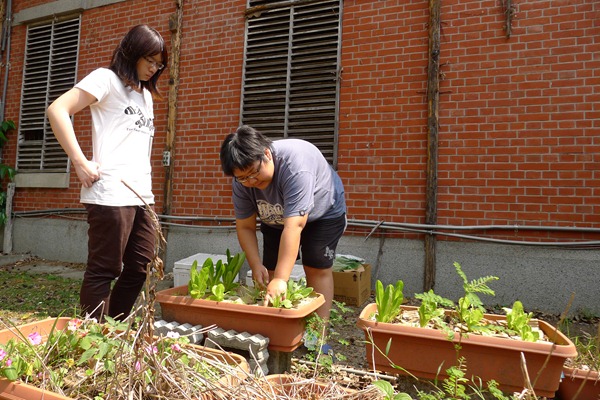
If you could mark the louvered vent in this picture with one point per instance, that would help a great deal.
(291, 71)
(50, 70)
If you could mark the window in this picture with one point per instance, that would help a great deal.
(50, 69)
(291, 71)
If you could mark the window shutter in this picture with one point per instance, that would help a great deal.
(291, 71)
(50, 70)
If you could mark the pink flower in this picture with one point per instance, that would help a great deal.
(175, 347)
(151, 349)
(35, 338)
(138, 366)
(2, 354)
(74, 324)
(8, 362)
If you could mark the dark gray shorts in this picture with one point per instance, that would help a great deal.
(318, 242)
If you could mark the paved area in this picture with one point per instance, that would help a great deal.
(31, 264)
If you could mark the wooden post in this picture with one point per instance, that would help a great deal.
(8, 224)
(175, 26)
(433, 98)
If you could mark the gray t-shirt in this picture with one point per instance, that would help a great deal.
(303, 182)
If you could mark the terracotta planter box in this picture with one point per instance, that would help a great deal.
(283, 327)
(20, 391)
(579, 384)
(290, 387)
(421, 351)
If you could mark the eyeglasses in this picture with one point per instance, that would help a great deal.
(251, 176)
(154, 64)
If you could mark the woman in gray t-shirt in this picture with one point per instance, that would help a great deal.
(299, 200)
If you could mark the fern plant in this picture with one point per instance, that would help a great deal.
(470, 308)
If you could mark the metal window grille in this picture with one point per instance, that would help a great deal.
(50, 70)
(291, 71)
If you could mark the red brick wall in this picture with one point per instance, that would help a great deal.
(519, 117)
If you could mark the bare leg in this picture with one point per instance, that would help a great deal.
(321, 280)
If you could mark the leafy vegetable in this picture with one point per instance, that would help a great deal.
(296, 291)
(517, 320)
(219, 278)
(430, 307)
(388, 301)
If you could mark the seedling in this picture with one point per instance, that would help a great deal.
(518, 321)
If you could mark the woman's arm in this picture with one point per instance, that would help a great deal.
(288, 252)
(59, 114)
(246, 233)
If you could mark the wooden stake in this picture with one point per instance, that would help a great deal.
(433, 98)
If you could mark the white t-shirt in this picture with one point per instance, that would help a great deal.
(122, 134)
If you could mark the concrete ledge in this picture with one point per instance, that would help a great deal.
(194, 333)
(59, 7)
(255, 346)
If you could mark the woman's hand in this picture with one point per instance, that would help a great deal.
(87, 172)
(277, 287)
(260, 276)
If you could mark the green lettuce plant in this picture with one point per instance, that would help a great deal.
(517, 320)
(388, 300)
(215, 280)
(296, 291)
(431, 308)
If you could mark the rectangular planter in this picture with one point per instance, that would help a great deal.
(21, 391)
(579, 384)
(288, 386)
(283, 327)
(18, 390)
(424, 351)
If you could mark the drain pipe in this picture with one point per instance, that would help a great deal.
(219, 222)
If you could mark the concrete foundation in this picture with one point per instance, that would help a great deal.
(543, 278)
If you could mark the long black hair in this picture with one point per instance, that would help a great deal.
(140, 41)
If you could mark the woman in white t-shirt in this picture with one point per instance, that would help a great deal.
(121, 237)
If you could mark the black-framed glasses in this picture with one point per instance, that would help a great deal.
(154, 64)
(251, 176)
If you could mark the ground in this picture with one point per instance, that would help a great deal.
(34, 288)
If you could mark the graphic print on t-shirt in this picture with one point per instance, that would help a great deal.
(142, 122)
(270, 213)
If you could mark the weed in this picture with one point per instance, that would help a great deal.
(37, 295)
